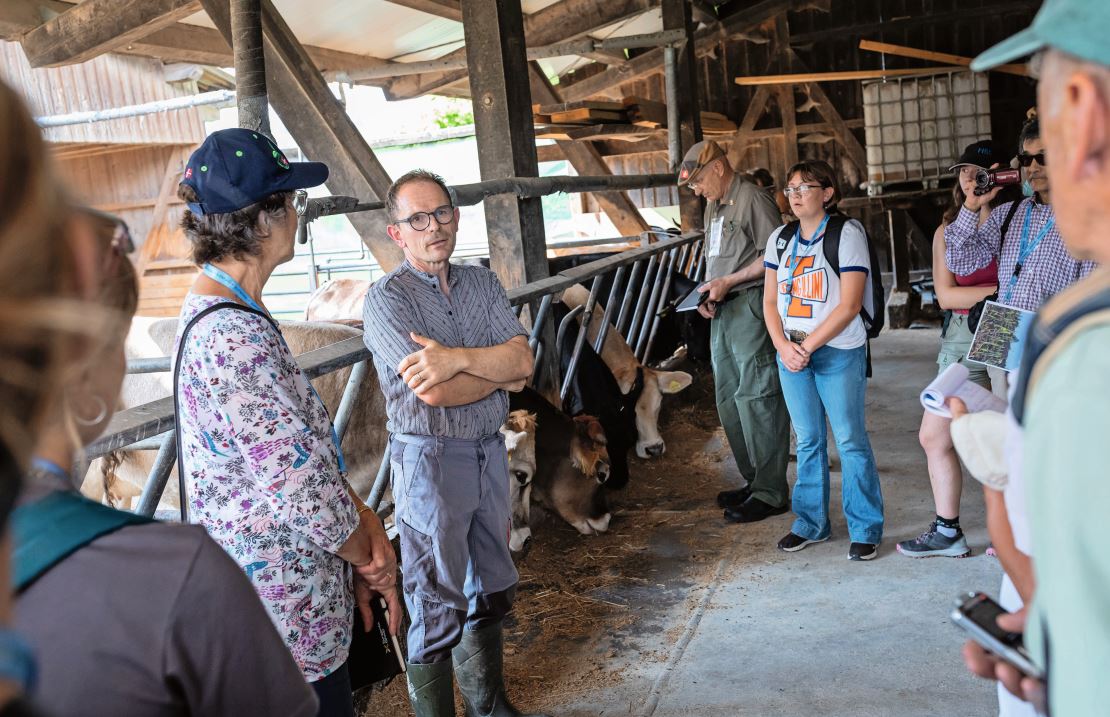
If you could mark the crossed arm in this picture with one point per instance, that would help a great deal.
(445, 376)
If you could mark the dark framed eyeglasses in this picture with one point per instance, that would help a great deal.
(422, 220)
(1025, 159)
(300, 201)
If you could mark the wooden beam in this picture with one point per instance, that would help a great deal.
(902, 51)
(650, 63)
(785, 97)
(563, 20)
(828, 112)
(676, 16)
(587, 161)
(176, 43)
(919, 19)
(804, 78)
(447, 9)
(98, 26)
(755, 110)
(320, 126)
(499, 80)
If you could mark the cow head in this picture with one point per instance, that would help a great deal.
(588, 449)
(520, 442)
(649, 442)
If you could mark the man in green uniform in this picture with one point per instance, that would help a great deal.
(739, 219)
(1062, 397)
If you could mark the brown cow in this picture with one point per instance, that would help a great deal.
(620, 359)
(339, 301)
(571, 463)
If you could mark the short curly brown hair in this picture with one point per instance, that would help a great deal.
(220, 236)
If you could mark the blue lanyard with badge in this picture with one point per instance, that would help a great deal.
(1026, 248)
(221, 277)
(817, 236)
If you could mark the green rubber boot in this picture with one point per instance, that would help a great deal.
(478, 668)
(431, 689)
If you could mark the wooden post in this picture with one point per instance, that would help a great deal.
(250, 66)
(900, 306)
(498, 68)
(786, 98)
(320, 125)
(676, 16)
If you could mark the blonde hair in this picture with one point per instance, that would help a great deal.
(37, 273)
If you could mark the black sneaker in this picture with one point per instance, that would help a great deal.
(734, 498)
(753, 510)
(792, 543)
(862, 551)
(933, 543)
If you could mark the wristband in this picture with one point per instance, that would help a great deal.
(17, 661)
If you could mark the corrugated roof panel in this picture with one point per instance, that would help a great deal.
(371, 27)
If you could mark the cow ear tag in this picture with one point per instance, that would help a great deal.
(675, 386)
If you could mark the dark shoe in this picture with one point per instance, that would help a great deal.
(793, 542)
(863, 551)
(752, 510)
(933, 543)
(431, 689)
(734, 498)
(478, 668)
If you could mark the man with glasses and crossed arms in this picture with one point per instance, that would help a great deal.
(739, 216)
(447, 346)
(1033, 263)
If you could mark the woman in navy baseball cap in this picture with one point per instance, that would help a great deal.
(261, 465)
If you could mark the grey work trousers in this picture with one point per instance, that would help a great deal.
(453, 516)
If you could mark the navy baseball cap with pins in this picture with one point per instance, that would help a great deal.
(235, 168)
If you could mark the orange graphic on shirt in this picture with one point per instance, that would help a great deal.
(806, 285)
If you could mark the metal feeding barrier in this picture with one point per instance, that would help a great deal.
(637, 305)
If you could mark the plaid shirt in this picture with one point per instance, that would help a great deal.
(1046, 272)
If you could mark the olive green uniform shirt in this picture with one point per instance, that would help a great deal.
(1068, 487)
(737, 227)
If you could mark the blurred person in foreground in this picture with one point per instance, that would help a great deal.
(1060, 399)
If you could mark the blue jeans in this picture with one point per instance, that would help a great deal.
(833, 385)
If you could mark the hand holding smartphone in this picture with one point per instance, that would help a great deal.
(978, 614)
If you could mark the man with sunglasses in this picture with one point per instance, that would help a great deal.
(447, 346)
(1033, 263)
(739, 216)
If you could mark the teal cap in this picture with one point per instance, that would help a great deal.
(1077, 27)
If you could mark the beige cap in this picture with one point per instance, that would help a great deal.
(699, 155)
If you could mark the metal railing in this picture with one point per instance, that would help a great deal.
(150, 426)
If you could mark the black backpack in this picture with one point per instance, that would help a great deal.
(831, 247)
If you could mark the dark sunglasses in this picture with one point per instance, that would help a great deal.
(1027, 159)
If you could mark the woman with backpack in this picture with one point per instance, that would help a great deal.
(816, 298)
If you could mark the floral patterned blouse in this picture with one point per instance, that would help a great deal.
(262, 476)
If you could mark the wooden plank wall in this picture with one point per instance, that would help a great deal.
(836, 48)
(103, 82)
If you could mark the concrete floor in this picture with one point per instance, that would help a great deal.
(766, 633)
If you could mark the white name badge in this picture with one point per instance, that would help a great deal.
(716, 227)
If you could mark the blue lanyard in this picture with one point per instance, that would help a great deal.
(1026, 248)
(221, 277)
(817, 236)
(58, 475)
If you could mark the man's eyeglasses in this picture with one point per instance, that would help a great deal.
(422, 220)
(1025, 159)
(300, 201)
(801, 190)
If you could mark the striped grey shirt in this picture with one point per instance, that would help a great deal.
(477, 314)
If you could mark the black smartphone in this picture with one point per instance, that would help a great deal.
(391, 645)
(978, 614)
